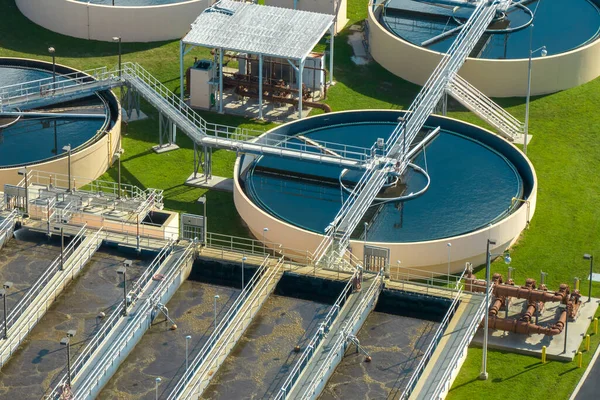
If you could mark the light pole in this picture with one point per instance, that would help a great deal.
(52, 52)
(7, 285)
(591, 258)
(156, 382)
(123, 271)
(23, 172)
(544, 52)
(449, 247)
(243, 261)
(66, 341)
(67, 148)
(488, 257)
(187, 340)
(216, 298)
(118, 39)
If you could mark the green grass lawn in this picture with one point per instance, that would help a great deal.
(565, 151)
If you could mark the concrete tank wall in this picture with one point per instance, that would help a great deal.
(495, 78)
(88, 161)
(428, 255)
(101, 22)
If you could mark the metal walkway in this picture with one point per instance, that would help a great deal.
(451, 350)
(393, 153)
(469, 96)
(48, 91)
(7, 226)
(32, 307)
(324, 352)
(228, 332)
(45, 92)
(119, 335)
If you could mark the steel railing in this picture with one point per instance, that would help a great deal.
(108, 357)
(246, 246)
(37, 301)
(483, 106)
(223, 136)
(431, 348)
(7, 226)
(202, 358)
(464, 343)
(112, 320)
(397, 145)
(24, 92)
(339, 346)
(309, 351)
(43, 280)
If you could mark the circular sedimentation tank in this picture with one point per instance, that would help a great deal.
(131, 20)
(498, 63)
(91, 127)
(460, 190)
(507, 37)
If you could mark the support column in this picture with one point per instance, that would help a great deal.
(260, 86)
(300, 71)
(181, 72)
(221, 80)
(332, 33)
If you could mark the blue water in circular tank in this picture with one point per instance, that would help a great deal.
(472, 185)
(559, 25)
(37, 139)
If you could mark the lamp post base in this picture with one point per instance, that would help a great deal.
(483, 376)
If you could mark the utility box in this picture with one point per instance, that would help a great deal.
(200, 83)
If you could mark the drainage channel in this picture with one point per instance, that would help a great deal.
(395, 336)
(41, 359)
(161, 352)
(23, 260)
(259, 363)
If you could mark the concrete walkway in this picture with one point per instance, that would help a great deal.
(464, 323)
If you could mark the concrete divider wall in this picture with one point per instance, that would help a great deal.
(100, 22)
(495, 78)
(428, 255)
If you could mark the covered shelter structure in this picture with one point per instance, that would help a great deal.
(260, 30)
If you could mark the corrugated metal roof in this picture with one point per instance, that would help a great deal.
(258, 29)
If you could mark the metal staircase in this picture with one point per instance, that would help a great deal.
(45, 92)
(469, 96)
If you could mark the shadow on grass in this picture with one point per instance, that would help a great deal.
(37, 39)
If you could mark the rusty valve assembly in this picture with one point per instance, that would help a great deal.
(536, 299)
